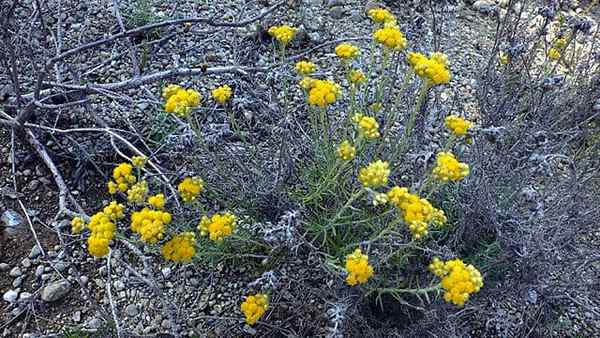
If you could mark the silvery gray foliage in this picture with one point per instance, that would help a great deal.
(267, 281)
(336, 315)
(283, 232)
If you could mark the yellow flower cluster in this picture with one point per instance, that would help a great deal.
(222, 94)
(77, 225)
(381, 15)
(438, 217)
(181, 248)
(448, 168)
(458, 279)
(305, 67)
(434, 70)
(284, 34)
(137, 193)
(190, 188)
(560, 43)
(358, 268)
(375, 174)
(504, 58)
(114, 211)
(458, 125)
(254, 307)
(180, 101)
(417, 212)
(554, 54)
(218, 226)
(356, 77)
(380, 199)
(139, 161)
(390, 37)
(346, 151)
(367, 126)
(322, 93)
(306, 83)
(102, 232)
(122, 178)
(157, 201)
(346, 51)
(150, 224)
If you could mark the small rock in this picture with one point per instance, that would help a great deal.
(17, 282)
(84, 280)
(119, 285)
(35, 252)
(25, 296)
(13, 221)
(132, 310)
(55, 291)
(33, 185)
(10, 296)
(60, 266)
(166, 272)
(485, 6)
(26, 263)
(4, 267)
(77, 316)
(94, 323)
(336, 13)
(15, 272)
(165, 324)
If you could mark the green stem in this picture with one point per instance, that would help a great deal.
(411, 121)
(340, 212)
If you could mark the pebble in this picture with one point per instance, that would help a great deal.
(94, 323)
(77, 316)
(55, 291)
(35, 252)
(26, 263)
(15, 272)
(84, 280)
(4, 267)
(25, 296)
(10, 296)
(119, 285)
(60, 266)
(17, 282)
(131, 310)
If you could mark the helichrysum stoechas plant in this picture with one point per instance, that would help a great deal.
(190, 188)
(180, 101)
(459, 280)
(150, 224)
(380, 15)
(346, 151)
(375, 174)
(222, 94)
(433, 70)
(102, 232)
(157, 201)
(367, 126)
(346, 51)
(139, 161)
(114, 210)
(122, 178)
(358, 268)
(218, 226)
(138, 192)
(417, 212)
(181, 248)
(283, 34)
(390, 37)
(77, 225)
(457, 125)
(448, 168)
(305, 68)
(323, 93)
(254, 307)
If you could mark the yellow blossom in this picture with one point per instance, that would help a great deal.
(390, 37)
(284, 34)
(218, 226)
(102, 232)
(222, 94)
(322, 93)
(448, 168)
(305, 68)
(306, 83)
(77, 225)
(560, 43)
(554, 54)
(190, 188)
(346, 151)
(380, 15)
(458, 125)
(417, 212)
(437, 267)
(138, 192)
(150, 224)
(434, 70)
(97, 246)
(459, 280)
(356, 77)
(380, 199)
(157, 201)
(181, 248)
(122, 178)
(346, 51)
(254, 307)
(170, 90)
(439, 217)
(139, 161)
(114, 210)
(367, 126)
(358, 268)
(182, 102)
(375, 174)
(504, 58)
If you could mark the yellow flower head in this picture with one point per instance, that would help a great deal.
(97, 246)
(181, 248)
(439, 217)
(358, 268)
(380, 15)
(139, 161)
(380, 199)
(254, 307)
(448, 168)
(323, 93)
(122, 178)
(283, 34)
(114, 211)
(390, 37)
(137, 193)
(306, 83)
(417, 212)
(346, 151)
(182, 102)
(367, 126)
(305, 68)
(458, 279)
(346, 51)
(222, 94)
(218, 226)
(375, 174)
(434, 70)
(190, 188)
(101, 226)
(356, 77)
(504, 58)
(170, 90)
(77, 225)
(458, 125)
(157, 201)
(554, 54)
(560, 43)
(150, 224)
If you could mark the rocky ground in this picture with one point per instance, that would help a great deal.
(52, 287)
